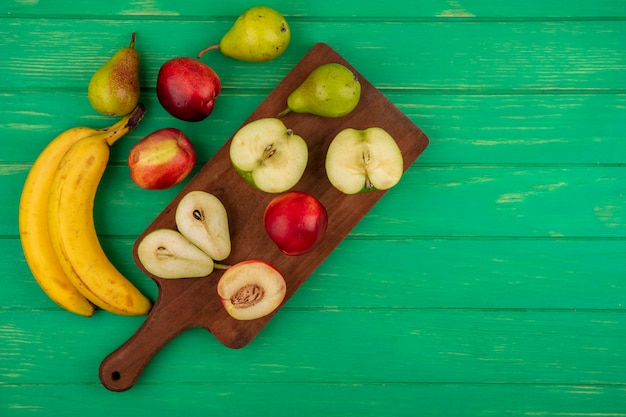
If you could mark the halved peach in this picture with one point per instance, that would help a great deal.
(251, 289)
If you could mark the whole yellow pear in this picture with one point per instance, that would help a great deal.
(260, 34)
(114, 89)
(330, 90)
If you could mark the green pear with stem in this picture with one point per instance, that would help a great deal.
(331, 90)
(114, 88)
(260, 34)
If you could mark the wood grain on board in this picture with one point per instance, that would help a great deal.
(187, 303)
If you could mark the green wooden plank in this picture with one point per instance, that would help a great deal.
(354, 346)
(411, 273)
(490, 282)
(467, 200)
(534, 128)
(518, 55)
(310, 399)
(429, 201)
(520, 129)
(33, 119)
(349, 9)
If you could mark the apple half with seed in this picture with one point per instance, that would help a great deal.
(251, 289)
(268, 155)
(166, 253)
(201, 218)
(363, 160)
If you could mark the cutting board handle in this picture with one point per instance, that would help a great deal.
(120, 370)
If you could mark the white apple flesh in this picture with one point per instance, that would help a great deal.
(201, 218)
(251, 289)
(268, 155)
(166, 253)
(364, 160)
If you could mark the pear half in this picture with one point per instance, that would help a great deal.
(202, 219)
(268, 155)
(364, 160)
(166, 253)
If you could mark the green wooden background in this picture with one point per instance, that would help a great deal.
(490, 281)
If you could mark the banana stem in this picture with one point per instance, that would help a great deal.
(135, 116)
(221, 266)
(125, 125)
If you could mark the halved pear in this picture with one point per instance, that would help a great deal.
(268, 155)
(251, 289)
(166, 253)
(364, 160)
(201, 218)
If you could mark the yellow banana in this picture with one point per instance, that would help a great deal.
(33, 224)
(72, 228)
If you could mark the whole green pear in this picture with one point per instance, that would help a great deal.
(114, 89)
(260, 34)
(330, 90)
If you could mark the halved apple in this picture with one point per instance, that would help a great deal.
(251, 289)
(268, 155)
(201, 218)
(364, 160)
(166, 253)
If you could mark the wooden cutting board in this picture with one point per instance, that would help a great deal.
(193, 302)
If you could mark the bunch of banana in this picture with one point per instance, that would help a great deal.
(57, 228)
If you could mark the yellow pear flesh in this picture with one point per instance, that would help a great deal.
(114, 89)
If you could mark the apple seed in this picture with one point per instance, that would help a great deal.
(366, 160)
(269, 151)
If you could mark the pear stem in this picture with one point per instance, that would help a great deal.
(284, 112)
(207, 49)
(220, 266)
(132, 40)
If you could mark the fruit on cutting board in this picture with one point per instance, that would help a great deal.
(363, 160)
(187, 88)
(330, 90)
(72, 229)
(202, 219)
(260, 34)
(268, 155)
(251, 289)
(296, 221)
(114, 88)
(166, 253)
(33, 215)
(162, 159)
